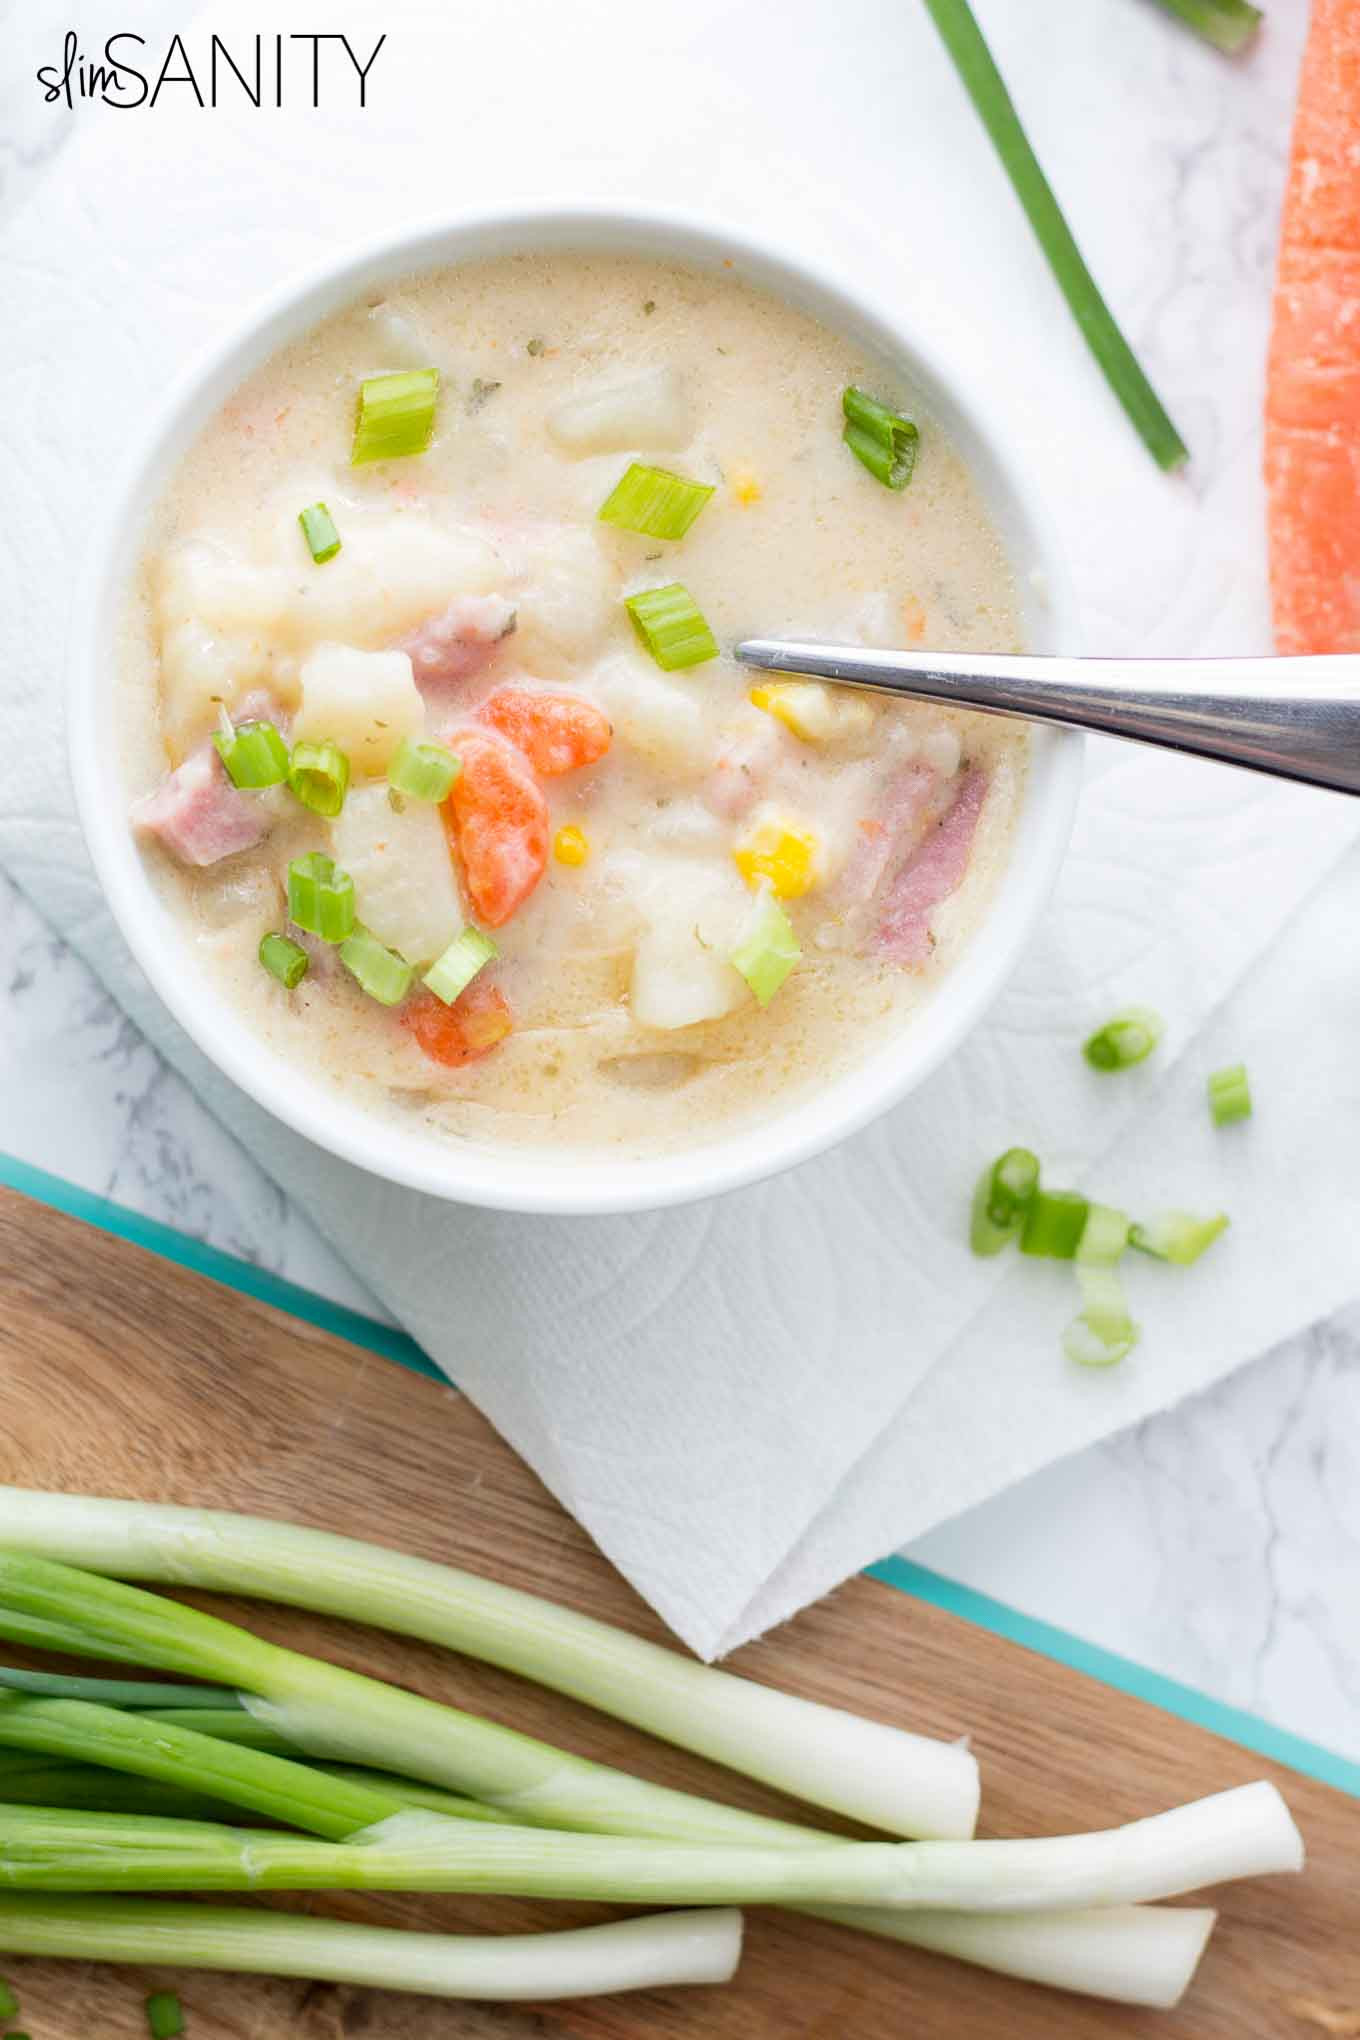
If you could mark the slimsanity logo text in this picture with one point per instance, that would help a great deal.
(264, 70)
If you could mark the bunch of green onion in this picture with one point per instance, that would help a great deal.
(114, 1787)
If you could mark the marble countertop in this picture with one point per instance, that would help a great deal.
(1217, 1543)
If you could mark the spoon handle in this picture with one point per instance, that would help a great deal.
(1296, 718)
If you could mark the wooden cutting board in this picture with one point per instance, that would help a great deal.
(125, 1375)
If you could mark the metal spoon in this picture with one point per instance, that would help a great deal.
(1297, 718)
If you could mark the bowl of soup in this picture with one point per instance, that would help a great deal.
(412, 754)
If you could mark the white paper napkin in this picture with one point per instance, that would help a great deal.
(745, 1400)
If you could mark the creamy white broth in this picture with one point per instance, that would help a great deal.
(798, 538)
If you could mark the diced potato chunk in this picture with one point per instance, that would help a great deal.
(677, 981)
(646, 411)
(393, 570)
(817, 714)
(565, 594)
(227, 624)
(694, 914)
(404, 887)
(660, 719)
(365, 702)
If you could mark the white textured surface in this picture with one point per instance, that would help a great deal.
(714, 1470)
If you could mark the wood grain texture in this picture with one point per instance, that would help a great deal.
(123, 1375)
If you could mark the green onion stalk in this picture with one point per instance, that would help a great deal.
(1139, 1954)
(987, 89)
(885, 1777)
(1228, 24)
(643, 1954)
(1244, 1832)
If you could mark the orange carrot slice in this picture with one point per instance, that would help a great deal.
(464, 1032)
(1313, 385)
(498, 820)
(556, 732)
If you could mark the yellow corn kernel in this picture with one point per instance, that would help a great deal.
(783, 856)
(571, 845)
(746, 488)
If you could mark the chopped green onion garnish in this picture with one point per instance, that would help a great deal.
(1102, 1337)
(9, 2003)
(883, 440)
(1104, 1332)
(768, 950)
(424, 771)
(318, 528)
(1228, 24)
(966, 45)
(1178, 1236)
(1128, 1038)
(1104, 1237)
(284, 959)
(671, 625)
(655, 502)
(1053, 1224)
(383, 974)
(1230, 1095)
(319, 777)
(1003, 1196)
(460, 963)
(164, 2015)
(320, 898)
(254, 754)
(396, 415)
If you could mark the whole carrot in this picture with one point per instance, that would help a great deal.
(1313, 381)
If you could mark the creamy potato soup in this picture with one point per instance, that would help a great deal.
(433, 736)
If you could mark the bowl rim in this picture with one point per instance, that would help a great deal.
(525, 1177)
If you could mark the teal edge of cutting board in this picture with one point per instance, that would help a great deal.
(1233, 1723)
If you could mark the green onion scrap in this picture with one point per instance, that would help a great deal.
(882, 440)
(1228, 24)
(1178, 1236)
(318, 528)
(381, 973)
(654, 502)
(254, 754)
(1003, 1196)
(9, 2003)
(319, 777)
(987, 89)
(1229, 1095)
(396, 415)
(1127, 1039)
(1103, 1333)
(423, 771)
(768, 950)
(672, 626)
(164, 2015)
(284, 959)
(321, 897)
(1054, 1224)
(458, 966)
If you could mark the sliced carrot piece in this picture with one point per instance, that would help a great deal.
(1313, 383)
(464, 1032)
(556, 732)
(497, 819)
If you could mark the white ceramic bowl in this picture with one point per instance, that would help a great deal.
(512, 1177)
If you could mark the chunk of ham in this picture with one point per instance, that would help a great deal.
(198, 815)
(887, 836)
(934, 870)
(455, 645)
